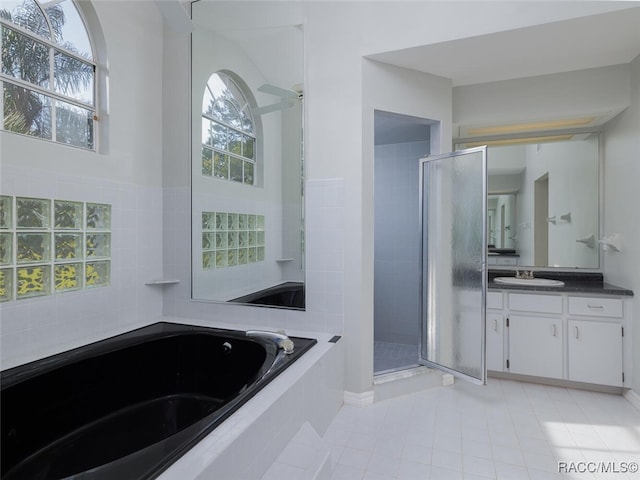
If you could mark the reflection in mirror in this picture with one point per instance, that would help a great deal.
(247, 171)
(543, 204)
(501, 221)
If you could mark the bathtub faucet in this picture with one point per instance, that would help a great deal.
(280, 338)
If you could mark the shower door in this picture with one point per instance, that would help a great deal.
(453, 191)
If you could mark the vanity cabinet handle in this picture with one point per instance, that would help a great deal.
(577, 333)
(495, 325)
(555, 330)
(595, 307)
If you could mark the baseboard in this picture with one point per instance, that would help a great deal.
(633, 398)
(556, 382)
(358, 399)
(404, 382)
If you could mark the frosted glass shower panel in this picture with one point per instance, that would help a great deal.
(453, 262)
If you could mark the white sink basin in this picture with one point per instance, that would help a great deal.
(539, 282)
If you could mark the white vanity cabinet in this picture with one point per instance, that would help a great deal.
(535, 340)
(595, 335)
(559, 336)
(535, 346)
(495, 332)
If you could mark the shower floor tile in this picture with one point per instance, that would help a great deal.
(389, 356)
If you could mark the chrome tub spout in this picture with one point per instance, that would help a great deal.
(279, 338)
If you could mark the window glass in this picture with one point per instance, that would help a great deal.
(221, 165)
(247, 123)
(207, 102)
(74, 125)
(26, 112)
(32, 100)
(26, 14)
(248, 146)
(73, 77)
(228, 138)
(70, 31)
(24, 58)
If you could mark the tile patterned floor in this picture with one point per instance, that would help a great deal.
(393, 356)
(505, 430)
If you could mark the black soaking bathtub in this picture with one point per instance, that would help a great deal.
(129, 406)
(288, 294)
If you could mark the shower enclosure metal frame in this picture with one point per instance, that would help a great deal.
(453, 333)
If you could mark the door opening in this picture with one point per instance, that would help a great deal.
(400, 142)
(541, 220)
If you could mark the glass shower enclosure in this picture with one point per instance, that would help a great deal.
(454, 262)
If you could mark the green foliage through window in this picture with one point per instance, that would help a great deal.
(47, 81)
(228, 134)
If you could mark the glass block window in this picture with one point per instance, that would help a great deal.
(230, 239)
(228, 134)
(52, 246)
(48, 72)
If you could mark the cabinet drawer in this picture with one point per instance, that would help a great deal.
(494, 300)
(535, 303)
(595, 307)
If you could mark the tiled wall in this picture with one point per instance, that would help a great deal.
(324, 275)
(397, 242)
(35, 327)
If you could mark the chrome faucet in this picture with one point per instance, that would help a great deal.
(524, 275)
(280, 338)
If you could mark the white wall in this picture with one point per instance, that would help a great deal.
(573, 183)
(406, 92)
(128, 176)
(621, 175)
(563, 95)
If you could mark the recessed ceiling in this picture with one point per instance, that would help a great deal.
(586, 42)
(393, 128)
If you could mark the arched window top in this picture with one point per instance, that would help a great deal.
(48, 74)
(228, 132)
(59, 22)
(224, 101)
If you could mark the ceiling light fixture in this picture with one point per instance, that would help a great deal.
(531, 126)
(519, 141)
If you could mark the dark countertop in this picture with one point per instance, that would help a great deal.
(574, 282)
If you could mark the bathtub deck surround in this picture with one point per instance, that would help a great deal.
(194, 414)
(246, 445)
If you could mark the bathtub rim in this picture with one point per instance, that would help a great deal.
(162, 329)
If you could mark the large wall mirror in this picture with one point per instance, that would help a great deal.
(247, 205)
(543, 202)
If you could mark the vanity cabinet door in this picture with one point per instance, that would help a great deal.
(535, 346)
(495, 342)
(595, 352)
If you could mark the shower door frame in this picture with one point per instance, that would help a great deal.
(481, 266)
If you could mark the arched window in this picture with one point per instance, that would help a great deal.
(48, 72)
(228, 132)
